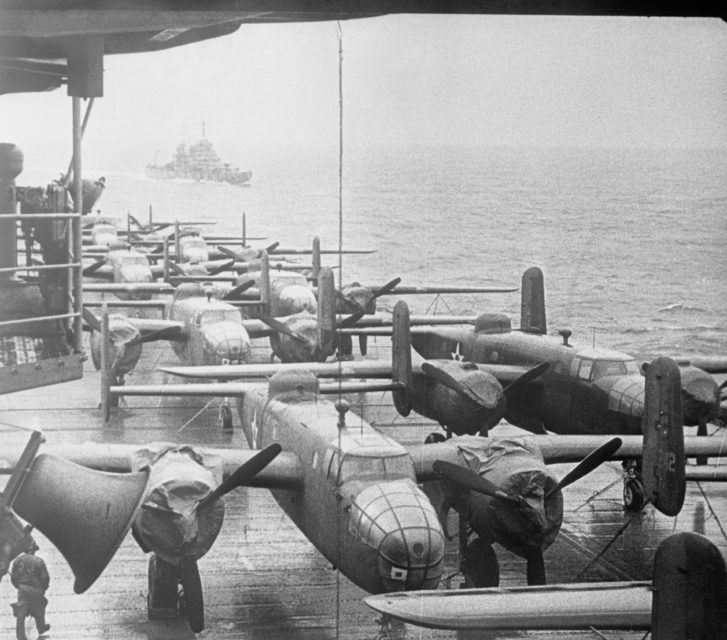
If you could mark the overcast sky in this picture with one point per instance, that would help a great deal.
(456, 80)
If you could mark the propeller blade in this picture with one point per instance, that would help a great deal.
(173, 266)
(350, 321)
(387, 288)
(136, 222)
(281, 327)
(233, 293)
(167, 333)
(230, 253)
(272, 247)
(91, 319)
(536, 568)
(226, 266)
(363, 343)
(93, 267)
(468, 479)
(527, 377)
(588, 464)
(243, 473)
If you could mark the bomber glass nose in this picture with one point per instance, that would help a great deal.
(397, 520)
(297, 299)
(227, 343)
(700, 395)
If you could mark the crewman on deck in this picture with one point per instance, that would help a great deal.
(29, 576)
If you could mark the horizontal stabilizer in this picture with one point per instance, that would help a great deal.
(237, 389)
(347, 369)
(711, 364)
(405, 291)
(130, 287)
(612, 605)
(307, 252)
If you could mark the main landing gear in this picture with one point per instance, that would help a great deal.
(633, 490)
(226, 416)
(175, 589)
(434, 437)
(479, 565)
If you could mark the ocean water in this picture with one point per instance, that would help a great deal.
(632, 242)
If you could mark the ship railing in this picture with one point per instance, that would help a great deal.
(46, 347)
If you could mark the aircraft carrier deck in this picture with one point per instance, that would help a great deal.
(262, 579)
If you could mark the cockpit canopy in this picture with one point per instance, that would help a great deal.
(193, 242)
(285, 278)
(128, 258)
(492, 323)
(357, 465)
(594, 365)
(216, 314)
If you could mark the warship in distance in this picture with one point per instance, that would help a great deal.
(199, 162)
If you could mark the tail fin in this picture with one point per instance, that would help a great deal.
(532, 309)
(662, 424)
(265, 295)
(690, 582)
(316, 259)
(401, 358)
(326, 314)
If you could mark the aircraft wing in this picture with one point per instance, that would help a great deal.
(130, 287)
(555, 449)
(284, 472)
(105, 272)
(344, 369)
(710, 364)
(257, 328)
(414, 320)
(405, 291)
(608, 605)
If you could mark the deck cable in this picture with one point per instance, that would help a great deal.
(339, 30)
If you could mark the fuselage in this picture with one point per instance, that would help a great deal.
(359, 503)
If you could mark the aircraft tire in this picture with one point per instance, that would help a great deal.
(161, 600)
(226, 417)
(481, 567)
(633, 494)
(434, 437)
(192, 599)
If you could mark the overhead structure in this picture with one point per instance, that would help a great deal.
(47, 43)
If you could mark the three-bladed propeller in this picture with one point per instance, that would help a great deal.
(360, 300)
(468, 479)
(281, 327)
(247, 254)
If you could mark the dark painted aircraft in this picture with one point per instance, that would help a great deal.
(584, 390)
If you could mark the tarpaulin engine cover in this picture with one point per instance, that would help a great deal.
(180, 478)
(516, 467)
